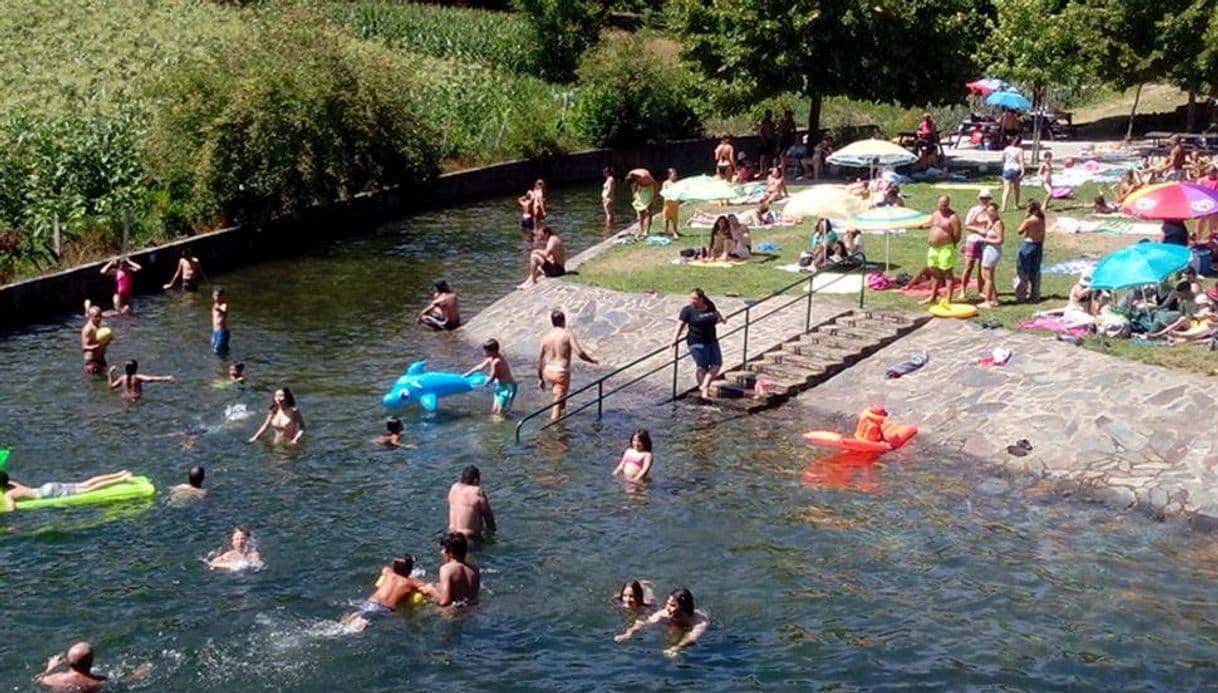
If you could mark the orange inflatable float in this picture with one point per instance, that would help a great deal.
(873, 434)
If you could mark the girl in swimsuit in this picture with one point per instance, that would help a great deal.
(124, 282)
(636, 459)
(284, 417)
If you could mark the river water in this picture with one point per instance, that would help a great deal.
(921, 571)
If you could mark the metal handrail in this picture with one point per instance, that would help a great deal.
(747, 311)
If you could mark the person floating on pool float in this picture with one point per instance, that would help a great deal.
(392, 588)
(392, 437)
(444, 312)
(241, 555)
(680, 614)
(91, 343)
(459, 580)
(193, 488)
(284, 417)
(14, 491)
(132, 382)
(637, 459)
(871, 425)
(500, 373)
(635, 596)
(219, 322)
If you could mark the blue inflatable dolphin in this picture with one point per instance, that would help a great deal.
(418, 385)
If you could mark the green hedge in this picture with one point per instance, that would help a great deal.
(300, 115)
(629, 97)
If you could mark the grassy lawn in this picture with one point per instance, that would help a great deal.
(638, 267)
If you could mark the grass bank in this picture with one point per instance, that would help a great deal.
(641, 268)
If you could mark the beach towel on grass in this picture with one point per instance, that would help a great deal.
(1054, 325)
(924, 288)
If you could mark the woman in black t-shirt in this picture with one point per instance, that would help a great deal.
(700, 317)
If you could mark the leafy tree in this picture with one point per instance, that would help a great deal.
(908, 51)
(1037, 43)
(561, 31)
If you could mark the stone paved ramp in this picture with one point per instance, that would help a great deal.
(1125, 433)
(618, 328)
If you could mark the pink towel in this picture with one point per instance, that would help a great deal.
(1052, 325)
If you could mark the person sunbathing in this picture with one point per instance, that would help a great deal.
(14, 491)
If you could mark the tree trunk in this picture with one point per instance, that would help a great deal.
(1191, 112)
(1133, 112)
(814, 107)
(1036, 106)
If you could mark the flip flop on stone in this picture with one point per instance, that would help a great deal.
(1017, 451)
(1023, 443)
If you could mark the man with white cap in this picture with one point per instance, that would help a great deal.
(976, 222)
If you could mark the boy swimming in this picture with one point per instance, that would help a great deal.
(500, 373)
(394, 586)
(193, 488)
(392, 437)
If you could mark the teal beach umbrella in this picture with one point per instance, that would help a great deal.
(1140, 264)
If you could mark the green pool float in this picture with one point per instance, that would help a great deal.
(3, 459)
(132, 489)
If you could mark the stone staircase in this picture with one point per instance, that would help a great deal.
(808, 360)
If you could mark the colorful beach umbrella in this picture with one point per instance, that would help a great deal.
(871, 152)
(1009, 99)
(1140, 264)
(987, 85)
(700, 188)
(885, 219)
(830, 201)
(1171, 201)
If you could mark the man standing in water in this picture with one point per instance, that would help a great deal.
(458, 581)
(94, 350)
(554, 361)
(469, 510)
(219, 323)
(941, 255)
(189, 269)
(79, 675)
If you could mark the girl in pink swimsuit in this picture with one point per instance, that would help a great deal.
(636, 459)
(124, 282)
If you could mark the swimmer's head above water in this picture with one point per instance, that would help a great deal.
(4, 482)
(403, 565)
(80, 657)
(454, 545)
(470, 476)
(236, 371)
(680, 603)
(131, 367)
(440, 286)
(241, 539)
(558, 318)
(393, 425)
(491, 347)
(632, 595)
(641, 440)
(195, 476)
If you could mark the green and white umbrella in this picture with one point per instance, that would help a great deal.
(700, 188)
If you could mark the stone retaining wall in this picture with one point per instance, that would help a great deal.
(41, 298)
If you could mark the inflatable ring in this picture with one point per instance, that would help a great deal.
(954, 310)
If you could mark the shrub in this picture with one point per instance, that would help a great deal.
(301, 114)
(627, 97)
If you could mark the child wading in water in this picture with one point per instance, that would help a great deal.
(132, 382)
(500, 373)
(636, 459)
(392, 437)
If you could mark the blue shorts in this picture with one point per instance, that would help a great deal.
(505, 394)
(372, 609)
(219, 342)
(707, 356)
(1011, 174)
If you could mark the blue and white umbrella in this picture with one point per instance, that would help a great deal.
(1009, 99)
